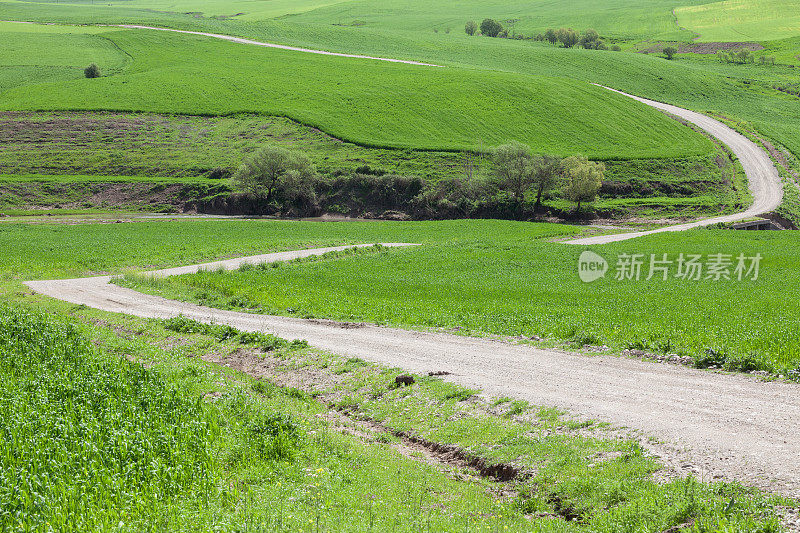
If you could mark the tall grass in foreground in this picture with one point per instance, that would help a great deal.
(88, 441)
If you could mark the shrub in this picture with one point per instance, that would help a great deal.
(513, 166)
(616, 48)
(567, 37)
(745, 363)
(670, 51)
(491, 28)
(274, 436)
(92, 71)
(471, 27)
(551, 36)
(590, 40)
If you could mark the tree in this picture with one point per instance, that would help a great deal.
(584, 179)
(471, 27)
(92, 71)
(568, 37)
(551, 36)
(261, 173)
(513, 166)
(590, 40)
(670, 51)
(547, 172)
(491, 28)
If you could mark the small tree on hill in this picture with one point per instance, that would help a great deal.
(260, 173)
(92, 71)
(568, 37)
(547, 172)
(513, 166)
(491, 28)
(670, 51)
(584, 179)
(591, 40)
(471, 27)
(551, 36)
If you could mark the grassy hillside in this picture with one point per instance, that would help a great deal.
(620, 19)
(368, 102)
(749, 97)
(742, 20)
(35, 53)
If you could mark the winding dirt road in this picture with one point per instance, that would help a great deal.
(765, 182)
(715, 424)
(733, 426)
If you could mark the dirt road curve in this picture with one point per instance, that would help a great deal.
(765, 183)
(732, 425)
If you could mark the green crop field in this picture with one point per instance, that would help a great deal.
(500, 278)
(742, 20)
(401, 106)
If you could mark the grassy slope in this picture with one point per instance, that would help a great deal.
(34, 56)
(687, 83)
(328, 479)
(462, 284)
(184, 146)
(741, 20)
(621, 19)
(400, 106)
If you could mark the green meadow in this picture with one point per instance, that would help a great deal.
(740, 20)
(111, 422)
(400, 106)
(503, 278)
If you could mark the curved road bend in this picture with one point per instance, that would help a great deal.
(765, 182)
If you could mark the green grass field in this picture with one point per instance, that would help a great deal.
(740, 20)
(501, 278)
(401, 106)
(473, 268)
(266, 455)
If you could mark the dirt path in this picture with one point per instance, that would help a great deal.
(733, 426)
(765, 183)
(279, 46)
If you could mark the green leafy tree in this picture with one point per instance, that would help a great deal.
(591, 40)
(568, 37)
(547, 173)
(261, 173)
(92, 71)
(514, 168)
(471, 27)
(491, 28)
(551, 36)
(584, 179)
(670, 51)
